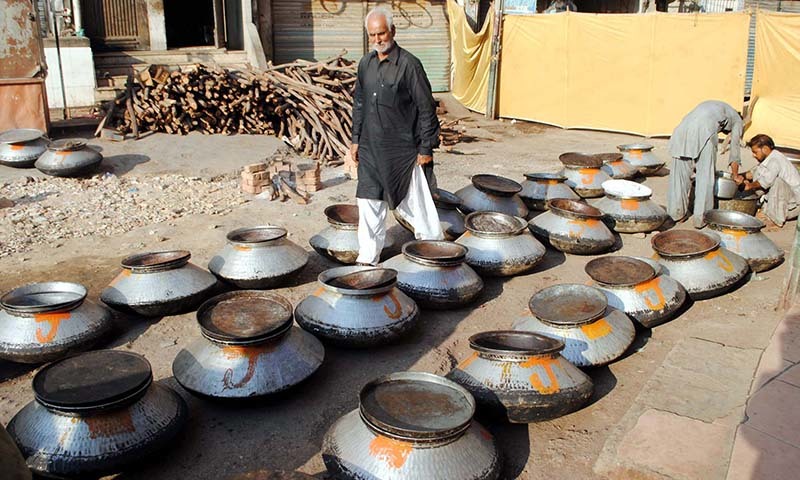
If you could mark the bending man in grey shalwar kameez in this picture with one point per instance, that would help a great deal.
(693, 146)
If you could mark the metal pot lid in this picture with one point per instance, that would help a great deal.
(609, 157)
(568, 304)
(619, 271)
(244, 317)
(259, 234)
(20, 135)
(446, 200)
(513, 342)
(156, 261)
(67, 145)
(580, 160)
(366, 279)
(644, 147)
(546, 177)
(496, 185)
(626, 189)
(573, 208)
(44, 297)
(494, 224)
(733, 220)
(90, 381)
(683, 243)
(416, 406)
(342, 214)
(435, 252)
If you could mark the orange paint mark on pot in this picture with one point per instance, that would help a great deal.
(242, 248)
(722, 261)
(467, 361)
(466, 234)
(122, 276)
(598, 329)
(551, 182)
(650, 289)
(629, 204)
(394, 313)
(547, 365)
(53, 320)
(737, 235)
(16, 147)
(110, 424)
(583, 225)
(233, 352)
(587, 175)
(393, 452)
(635, 153)
(318, 292)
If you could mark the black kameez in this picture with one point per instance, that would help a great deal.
(394, 119)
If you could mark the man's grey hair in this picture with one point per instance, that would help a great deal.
(382, 12)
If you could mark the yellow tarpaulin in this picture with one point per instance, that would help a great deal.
(776, 78)
(471, 55)
(628, 73)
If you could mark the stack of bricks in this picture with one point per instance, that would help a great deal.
(308, 178)
(255, 178)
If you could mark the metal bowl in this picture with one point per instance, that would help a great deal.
(568, 304)
(683, 243)
(724, 186)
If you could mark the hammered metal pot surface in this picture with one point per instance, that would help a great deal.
(68, 158)
(538, 188)
(500, 245)
(43, 334)
(641, 156)
(352, 451)
(356, 318)
(437, 286)
(525, 379)
(629, 206)
(155, 291)
(475, 200)
(620, 169)
(706, 273)
(569, 230)
(587, 182)
(741, 233)
(339, 240)
(84, 446)
(258, 257)
(24, 154)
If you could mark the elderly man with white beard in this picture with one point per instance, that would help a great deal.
(395, 129)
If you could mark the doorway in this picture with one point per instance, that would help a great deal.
(189, 23)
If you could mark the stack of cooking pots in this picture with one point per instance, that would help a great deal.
(339, 240)
(741, 234)
(435, 275)
(499, 244)
(522, 376)
(41, 322)
(358, 307)
(21, 147)
(450, 217)
(538, 188)
(594, 333)
(411, 425)
(629, 207)
(698, 262)
(95, 414)
(158, 284)
(638, 287)
(492, 193)
(249, 348)
(584, 173)
(573, 227)
(615, 165)
(69, 157)
(641, 156)
(258, 257)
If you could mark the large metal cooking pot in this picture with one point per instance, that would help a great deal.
(491, 193)
(435, 275)
(741, 234)
(641, 156)
(724, 186)
(584, 173)
(594, 334)
(258, 257)
(249, 348)
(573, 227)
(450, 217)
(629, 206)
(69, 157)
(21, 147)
(358, 307)
(500, 245)
(158, 284)
(41, 322)
(698, 262)
(538, 188)
(411, 425)
(522, 376)
(638, 287)
(615, 165)
(95, 414)
(339, 240)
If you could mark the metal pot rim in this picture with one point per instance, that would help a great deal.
(613, 189)
(558, 207)
(632, 147)
(552, 345)
(67, 145)
(174, 259)
(592, 265)
(522, 225)
(722, 223)
(660, 237)
(233, 234)
(534, 177)
(446, 200)
(447, 261)
(337, 220)
(20, 136)
(332, 273)
(496, 185)
(556, 319)
(204, 316)
(77, 292)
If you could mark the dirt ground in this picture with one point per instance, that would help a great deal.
(286, 432)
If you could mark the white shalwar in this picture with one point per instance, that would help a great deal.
(417, 209)
(781, 179)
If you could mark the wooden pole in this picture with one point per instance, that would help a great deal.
(491, 98)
